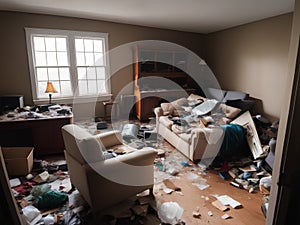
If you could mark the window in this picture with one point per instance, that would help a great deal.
(75, 62)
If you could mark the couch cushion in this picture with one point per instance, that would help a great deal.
(167, 108)
(180, 102)
(166, 121)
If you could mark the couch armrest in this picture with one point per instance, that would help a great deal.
(110, 138)
(158, 111)
(205, 142)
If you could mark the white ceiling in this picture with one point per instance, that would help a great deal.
(203, 16)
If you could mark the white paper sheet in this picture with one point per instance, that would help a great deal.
(226, 200)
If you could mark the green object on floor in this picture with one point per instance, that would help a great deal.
(51, 199)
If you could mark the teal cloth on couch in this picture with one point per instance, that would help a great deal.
(234, 142)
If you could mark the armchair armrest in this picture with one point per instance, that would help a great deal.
(134, 169)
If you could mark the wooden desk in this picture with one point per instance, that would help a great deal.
(44, 134)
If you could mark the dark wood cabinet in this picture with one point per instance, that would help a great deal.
(151, 92)
(43, 134)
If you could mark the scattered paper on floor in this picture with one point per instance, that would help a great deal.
(226, 200)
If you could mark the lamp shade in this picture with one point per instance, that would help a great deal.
(50, 88)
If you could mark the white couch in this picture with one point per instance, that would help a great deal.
(198, 141)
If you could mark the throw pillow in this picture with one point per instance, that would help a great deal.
(167, 108)
(230, 112)
(180, 102)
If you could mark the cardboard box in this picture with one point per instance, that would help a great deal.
(18, 160)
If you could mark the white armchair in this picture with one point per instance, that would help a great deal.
(104, 182)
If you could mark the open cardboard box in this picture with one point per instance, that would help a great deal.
(18, 160)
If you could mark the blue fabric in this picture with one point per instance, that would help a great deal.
(234, 141)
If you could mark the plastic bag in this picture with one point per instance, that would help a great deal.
(170, 212)
(71, 218)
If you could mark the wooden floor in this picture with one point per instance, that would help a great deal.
(249, 214)
(192, 197)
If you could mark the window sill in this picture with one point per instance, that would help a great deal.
(74, 100)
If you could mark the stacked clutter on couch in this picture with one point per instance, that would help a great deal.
(197, 125)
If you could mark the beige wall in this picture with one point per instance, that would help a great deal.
(14, 72)
(253, 58)
(287, 147)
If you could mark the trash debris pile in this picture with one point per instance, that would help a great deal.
(46, 195)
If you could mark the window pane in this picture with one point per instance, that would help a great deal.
(92, 87)
(79, 45)
(51, 59)
(39, 44)
(80, 59)
(101, 86)
(53, 73)
(61, 44)
(41, 89)
(89, 59)
(64, 73)
(50, 44)
(81, 73)
(40, 58)
(66, 88)
(88, 45)
(62, 59)
(41, 74)
(91, 73)
(82, 85)
(99, 59)
(98, 46)
(100, 72)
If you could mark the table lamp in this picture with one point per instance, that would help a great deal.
(50, 89)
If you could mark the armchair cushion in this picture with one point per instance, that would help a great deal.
(110, 138)
(91, 148)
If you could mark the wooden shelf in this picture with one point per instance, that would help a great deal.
(158, 63)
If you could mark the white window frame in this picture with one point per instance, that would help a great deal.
(71, 51)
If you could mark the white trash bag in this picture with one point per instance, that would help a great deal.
(170, 212)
